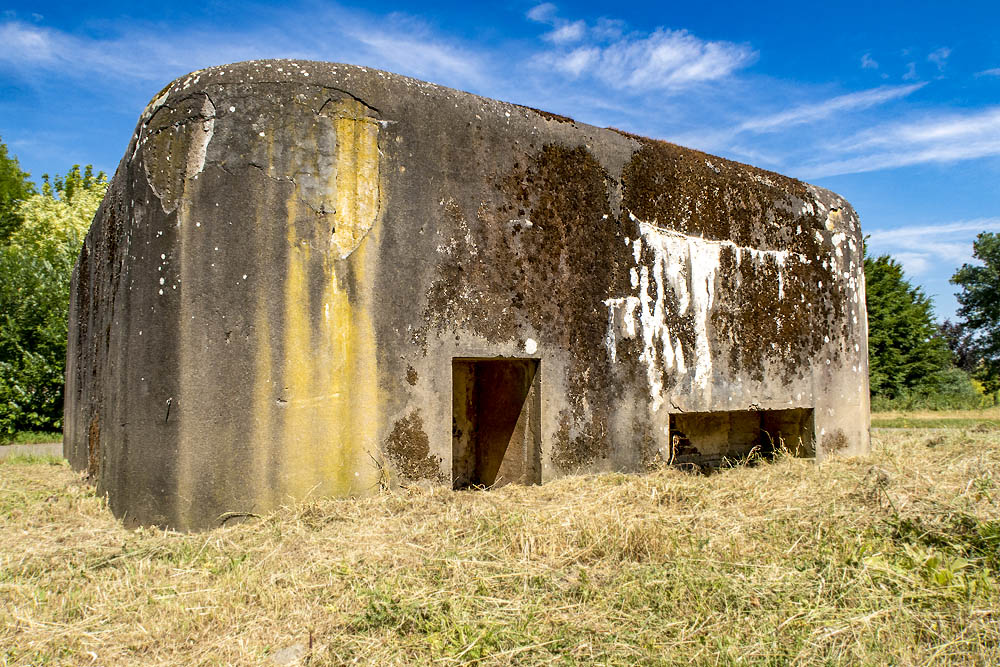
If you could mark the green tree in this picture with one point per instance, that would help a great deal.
(963, 345)
(905, 351)
(15, 187)
(979, 305)
(36, 265)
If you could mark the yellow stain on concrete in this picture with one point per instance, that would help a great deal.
(263, 400)
(834, 219)
(315, 398)
(357, 175)
(328, 372)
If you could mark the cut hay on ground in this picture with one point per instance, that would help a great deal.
(891, 558)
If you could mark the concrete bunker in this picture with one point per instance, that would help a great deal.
(313, 279)
(496, 413)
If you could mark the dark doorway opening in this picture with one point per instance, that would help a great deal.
(709, 439)
(496, 426)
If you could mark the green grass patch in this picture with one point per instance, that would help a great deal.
(31, 438)
(33, 459)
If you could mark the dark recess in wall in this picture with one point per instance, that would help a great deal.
(495, 422)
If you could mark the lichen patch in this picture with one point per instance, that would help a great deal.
(408, 448)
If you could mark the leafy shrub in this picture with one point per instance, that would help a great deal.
(36, 265)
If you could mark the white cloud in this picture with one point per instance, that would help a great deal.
(914, 263)
(394, 42)
(867, 62)
(37, 47)
(940, 138)
(924, 249)
(995, 71)
(978, 125)
(662, 60)
(578, 60)
(27, 42)
(743, 139)
(567, 33)
(920, 233)
(608, 29)
(911, 72)
(810, 113)
(543, 13)
(422, 58)
(564, 32)
(939, 57)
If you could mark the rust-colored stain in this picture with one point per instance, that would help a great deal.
(94, 447)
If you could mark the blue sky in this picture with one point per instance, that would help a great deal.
(895, 105)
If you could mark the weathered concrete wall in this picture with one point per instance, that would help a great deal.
(291, 254)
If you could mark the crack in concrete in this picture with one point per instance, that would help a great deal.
(349, 94)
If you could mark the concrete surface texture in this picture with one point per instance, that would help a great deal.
(320, 279)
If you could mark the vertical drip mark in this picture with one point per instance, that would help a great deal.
(262, 448)
(357, 175)
(298, 360)
(187, 385)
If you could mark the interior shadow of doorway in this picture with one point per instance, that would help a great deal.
(496, 425)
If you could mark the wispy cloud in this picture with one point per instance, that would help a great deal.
(922, 249)
(568, 33)
(761, 136)
(918, 234)
(564, 32)
(940, 138)
(810, 113)
(31, 47)
(939, 57)
(670, 58)
(394, 42)
(951, 128)
(543, 13)
(661, 81)
(423, 57)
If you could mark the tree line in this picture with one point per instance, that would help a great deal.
(41, 231)
(914, 362)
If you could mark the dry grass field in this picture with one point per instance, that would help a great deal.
(888, 559)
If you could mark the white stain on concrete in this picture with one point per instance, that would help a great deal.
(687, 267)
